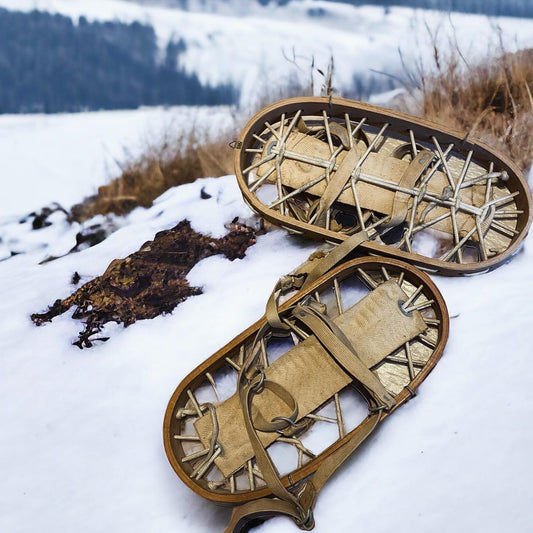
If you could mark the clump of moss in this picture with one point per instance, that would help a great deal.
(147, 283)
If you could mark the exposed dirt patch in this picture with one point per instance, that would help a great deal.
(147, 283)
(39, 219)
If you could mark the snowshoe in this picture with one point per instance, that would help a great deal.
(266, 420)
(329, 168)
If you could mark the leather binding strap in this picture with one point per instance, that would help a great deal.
(299, 505)
(412, 174)
(309, 272)
(336, 185)
(339, 347)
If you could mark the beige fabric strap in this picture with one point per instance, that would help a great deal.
(310, 272)
(336, 185)
(408, 180)
(302, 514)
(299, 507)
(330, 465)
(335, 256)
(340, 348)
(268, 470)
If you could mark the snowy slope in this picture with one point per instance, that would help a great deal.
(263, 49)
(81, 447)
(65, 157)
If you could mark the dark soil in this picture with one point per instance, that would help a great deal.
(39, 219)
(147, 283)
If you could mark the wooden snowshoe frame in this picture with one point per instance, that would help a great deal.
(328, 168)
(398, 317)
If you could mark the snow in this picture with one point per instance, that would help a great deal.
(65, 157)
(81, 447)
(263, 50)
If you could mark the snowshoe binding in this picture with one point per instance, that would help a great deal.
(330, 168)
(307, 383)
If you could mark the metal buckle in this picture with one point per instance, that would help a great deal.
(307, 522)
(289, 421)
(258, 387)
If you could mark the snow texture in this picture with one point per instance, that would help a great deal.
(65, 157)
(81, 443)
(81, 447)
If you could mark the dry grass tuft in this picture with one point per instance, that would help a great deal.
(491, 101)
(173, 162)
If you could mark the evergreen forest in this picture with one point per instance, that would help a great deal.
(50, 64)
(494, 8)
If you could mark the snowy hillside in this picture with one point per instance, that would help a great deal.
(262, 50)
(65, 157)
(81, 447)
(519, 8)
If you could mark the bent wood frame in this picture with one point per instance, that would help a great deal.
(399, 122)
(173, 448)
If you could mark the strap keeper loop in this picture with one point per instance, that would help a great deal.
(291, 281)
(307, 522)
(258, 387)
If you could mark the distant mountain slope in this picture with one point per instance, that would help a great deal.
(48, 64)
(500, 8)
(262, 51)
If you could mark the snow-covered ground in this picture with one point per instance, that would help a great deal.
(65, 157)
(81, 446)
(262, 50)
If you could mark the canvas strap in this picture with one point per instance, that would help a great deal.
(339, 347)
(336, 185)
(408, 180)
(299, 504)
(300, 507)
(309, 272)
